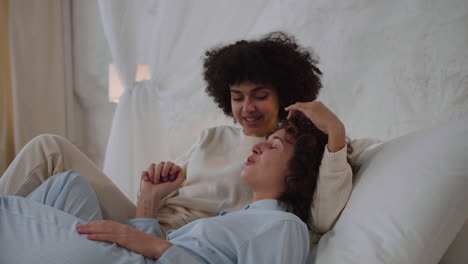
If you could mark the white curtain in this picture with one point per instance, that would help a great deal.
(38, 68)
(390, 67)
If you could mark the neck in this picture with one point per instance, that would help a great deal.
(263, 132)
(257, 196)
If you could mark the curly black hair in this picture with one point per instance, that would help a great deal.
(275, 60)
(309, 146)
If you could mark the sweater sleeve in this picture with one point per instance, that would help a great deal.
(334, 186)
(335, 182)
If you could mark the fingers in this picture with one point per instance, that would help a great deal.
(154, 172)
(162, 172)
(102, 230)
(166, 171)
(300, 106)
(144, 176)
(96, 227)
(294, 109)
(295, 113)
(174, 173)
(295, 106)
(169, 172)
(103, 237)
(308, 109)
(151, 171)
(179, 178)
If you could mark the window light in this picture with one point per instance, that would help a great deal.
(116, 87)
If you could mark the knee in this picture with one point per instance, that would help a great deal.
(47, 140)
(71, 177)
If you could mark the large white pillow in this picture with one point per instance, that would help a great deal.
(409, 201)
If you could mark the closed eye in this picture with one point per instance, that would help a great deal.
(274, 144)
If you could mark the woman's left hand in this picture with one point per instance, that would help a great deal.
(125, 236)
(161, 179)
(323, 119)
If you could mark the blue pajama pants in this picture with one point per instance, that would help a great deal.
(41, 228)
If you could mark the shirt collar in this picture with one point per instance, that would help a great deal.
(266, 204)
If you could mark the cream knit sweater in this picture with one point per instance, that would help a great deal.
(213, 166)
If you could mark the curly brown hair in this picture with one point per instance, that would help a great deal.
(309, 146)
(275, 60)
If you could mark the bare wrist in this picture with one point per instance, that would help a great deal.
(147, 207)
(336, 138)
(161, 246)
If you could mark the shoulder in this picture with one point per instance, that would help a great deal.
(291, 220)
(224, 133)
(224, 129)
(275, 227)
(272, 219)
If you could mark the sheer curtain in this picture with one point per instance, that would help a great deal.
(406, 60)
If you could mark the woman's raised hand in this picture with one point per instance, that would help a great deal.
(318, 113)
(161, 179)
(156, 182)
(323, 119)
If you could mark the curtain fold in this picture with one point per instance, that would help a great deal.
(7, 149)
(37, 69)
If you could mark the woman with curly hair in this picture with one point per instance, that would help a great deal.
(272, 228)
(259, 83)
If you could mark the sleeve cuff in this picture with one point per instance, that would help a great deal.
(335, 161)
(147, 225)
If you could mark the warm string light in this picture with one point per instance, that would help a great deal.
(116, 87)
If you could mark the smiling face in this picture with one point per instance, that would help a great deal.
(255, 108)
(266, 169)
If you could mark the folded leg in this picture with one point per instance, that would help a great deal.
(69, 192)
(31, 232)
(48, 155)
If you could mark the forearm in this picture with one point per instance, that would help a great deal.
(334, 186)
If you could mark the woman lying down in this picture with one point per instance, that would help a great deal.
(61, 222)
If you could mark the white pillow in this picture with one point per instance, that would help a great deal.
(409, 201)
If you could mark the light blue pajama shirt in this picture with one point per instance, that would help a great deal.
(42, 229)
